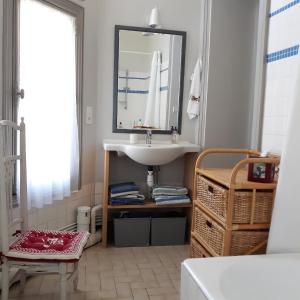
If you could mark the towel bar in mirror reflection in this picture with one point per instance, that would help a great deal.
(148, 79)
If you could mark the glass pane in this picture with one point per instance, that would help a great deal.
(48, 76)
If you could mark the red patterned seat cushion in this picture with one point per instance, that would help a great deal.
(48, 245)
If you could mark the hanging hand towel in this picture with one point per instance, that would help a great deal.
(193, 108)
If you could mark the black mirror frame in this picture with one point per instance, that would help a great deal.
(116, 71)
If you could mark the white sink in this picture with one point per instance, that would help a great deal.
(158, 153)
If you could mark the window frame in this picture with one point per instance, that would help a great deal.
(11, 61)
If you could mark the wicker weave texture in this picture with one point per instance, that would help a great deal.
(209, 231)
(214, 235)
(243, 206)
(212, 196)
(243, 241)
(215, 198)
(197, 251)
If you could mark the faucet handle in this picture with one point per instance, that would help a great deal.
(148, 136)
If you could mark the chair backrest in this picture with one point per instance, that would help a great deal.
(9, 184)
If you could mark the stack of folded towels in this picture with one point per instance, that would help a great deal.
(168, 195)
(126, 193)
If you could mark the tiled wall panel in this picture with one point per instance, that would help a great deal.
(282, 67)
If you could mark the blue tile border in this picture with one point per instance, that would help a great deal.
(283, 8)
(282, 54)
(162, 89)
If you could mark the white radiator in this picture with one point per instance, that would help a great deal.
(95, 226)
(70, 227)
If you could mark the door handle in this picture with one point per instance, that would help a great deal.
(20, 93)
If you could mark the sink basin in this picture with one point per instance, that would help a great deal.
(158, 153)
(153, 154)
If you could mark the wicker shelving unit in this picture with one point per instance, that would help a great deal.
(231, 215)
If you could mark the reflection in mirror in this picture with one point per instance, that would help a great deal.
(149, 80)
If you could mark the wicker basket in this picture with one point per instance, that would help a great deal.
(215, 198)
(213, 235)
(197, 251)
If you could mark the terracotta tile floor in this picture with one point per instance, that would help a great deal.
(150, 273)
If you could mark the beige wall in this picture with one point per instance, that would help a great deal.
(231, 73)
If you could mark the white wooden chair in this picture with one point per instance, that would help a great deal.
(30, 251)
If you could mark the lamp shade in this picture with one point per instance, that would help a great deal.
(154, 18)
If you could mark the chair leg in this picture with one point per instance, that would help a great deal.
(75, 280)
(22, 280)
(5, 280)
(63, 281)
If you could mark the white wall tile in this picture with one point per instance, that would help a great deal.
(284, 32)
(278, 4)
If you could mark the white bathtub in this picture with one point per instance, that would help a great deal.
(261, 277)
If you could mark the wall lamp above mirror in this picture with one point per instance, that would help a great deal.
(148, 79)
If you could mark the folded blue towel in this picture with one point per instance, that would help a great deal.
(127, 200)
(121, 189)
(171, 198)
(134, 196)
(128, 193)
(115, 201)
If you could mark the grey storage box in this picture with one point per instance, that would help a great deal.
(168, 231)
(132, 231)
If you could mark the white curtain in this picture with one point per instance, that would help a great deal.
(152, 114)
(48, 76)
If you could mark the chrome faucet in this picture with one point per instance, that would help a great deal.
(149, 137)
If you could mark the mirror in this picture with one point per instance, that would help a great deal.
(148, 79)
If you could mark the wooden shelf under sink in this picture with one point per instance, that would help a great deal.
(149, 204)
(188, 182)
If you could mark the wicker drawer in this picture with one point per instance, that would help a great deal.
(197, 251)
(213, 236)
(215, 198)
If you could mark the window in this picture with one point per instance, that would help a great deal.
(44, 77)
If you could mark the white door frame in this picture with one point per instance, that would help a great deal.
(259, 74)
(205, 29)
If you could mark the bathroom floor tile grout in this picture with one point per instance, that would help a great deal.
(135, 273)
